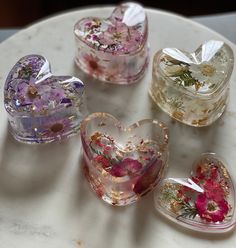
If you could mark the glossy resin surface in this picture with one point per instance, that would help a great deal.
(193, 87)
(205, 201)
(123, 164)
(114, 49)
(42, 107)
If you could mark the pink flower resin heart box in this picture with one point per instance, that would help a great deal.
(41, 107)
(193, 87)
(123, 164)
(204, 202)
(115, 49)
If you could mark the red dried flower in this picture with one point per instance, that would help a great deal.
(201, 172)
(214, 172)
(213, 190)
(149, 177)
(103, 161)
(211, 210)
(126, 167)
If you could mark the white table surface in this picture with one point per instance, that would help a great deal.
(222, 23)
(45, 202)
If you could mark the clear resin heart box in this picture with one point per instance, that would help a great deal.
(193, 87)
(114, 49)
(123, 164)
(41, 107)
(204, 201)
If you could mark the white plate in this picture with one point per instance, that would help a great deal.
(44, 198)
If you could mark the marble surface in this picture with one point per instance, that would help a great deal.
(44, 199)
(221, 23)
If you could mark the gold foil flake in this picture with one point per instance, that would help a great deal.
(201, 122)
(225, 172)
(178, 115)
(96, 136)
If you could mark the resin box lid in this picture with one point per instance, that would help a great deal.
(204, 72)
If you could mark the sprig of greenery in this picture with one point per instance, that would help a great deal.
(186, 79)
(99, 153)
(188, 211)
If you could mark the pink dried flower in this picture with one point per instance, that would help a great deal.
(126, 167)
(211, 210)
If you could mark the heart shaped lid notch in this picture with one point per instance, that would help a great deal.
(204, 202)
(123, 164)
(42, 107)
(114, 49)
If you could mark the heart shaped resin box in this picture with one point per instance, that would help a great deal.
(123, 164)
(41, 107)
(205, 201)
(193, 87)
(115, 49)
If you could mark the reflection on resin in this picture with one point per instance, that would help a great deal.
(193, 87)
(42, 107)
(123, 164)
(114, 49)
(205, 201)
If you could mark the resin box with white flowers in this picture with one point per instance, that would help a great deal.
(193, 87)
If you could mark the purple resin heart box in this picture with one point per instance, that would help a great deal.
(114, 49)
(42, 107)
